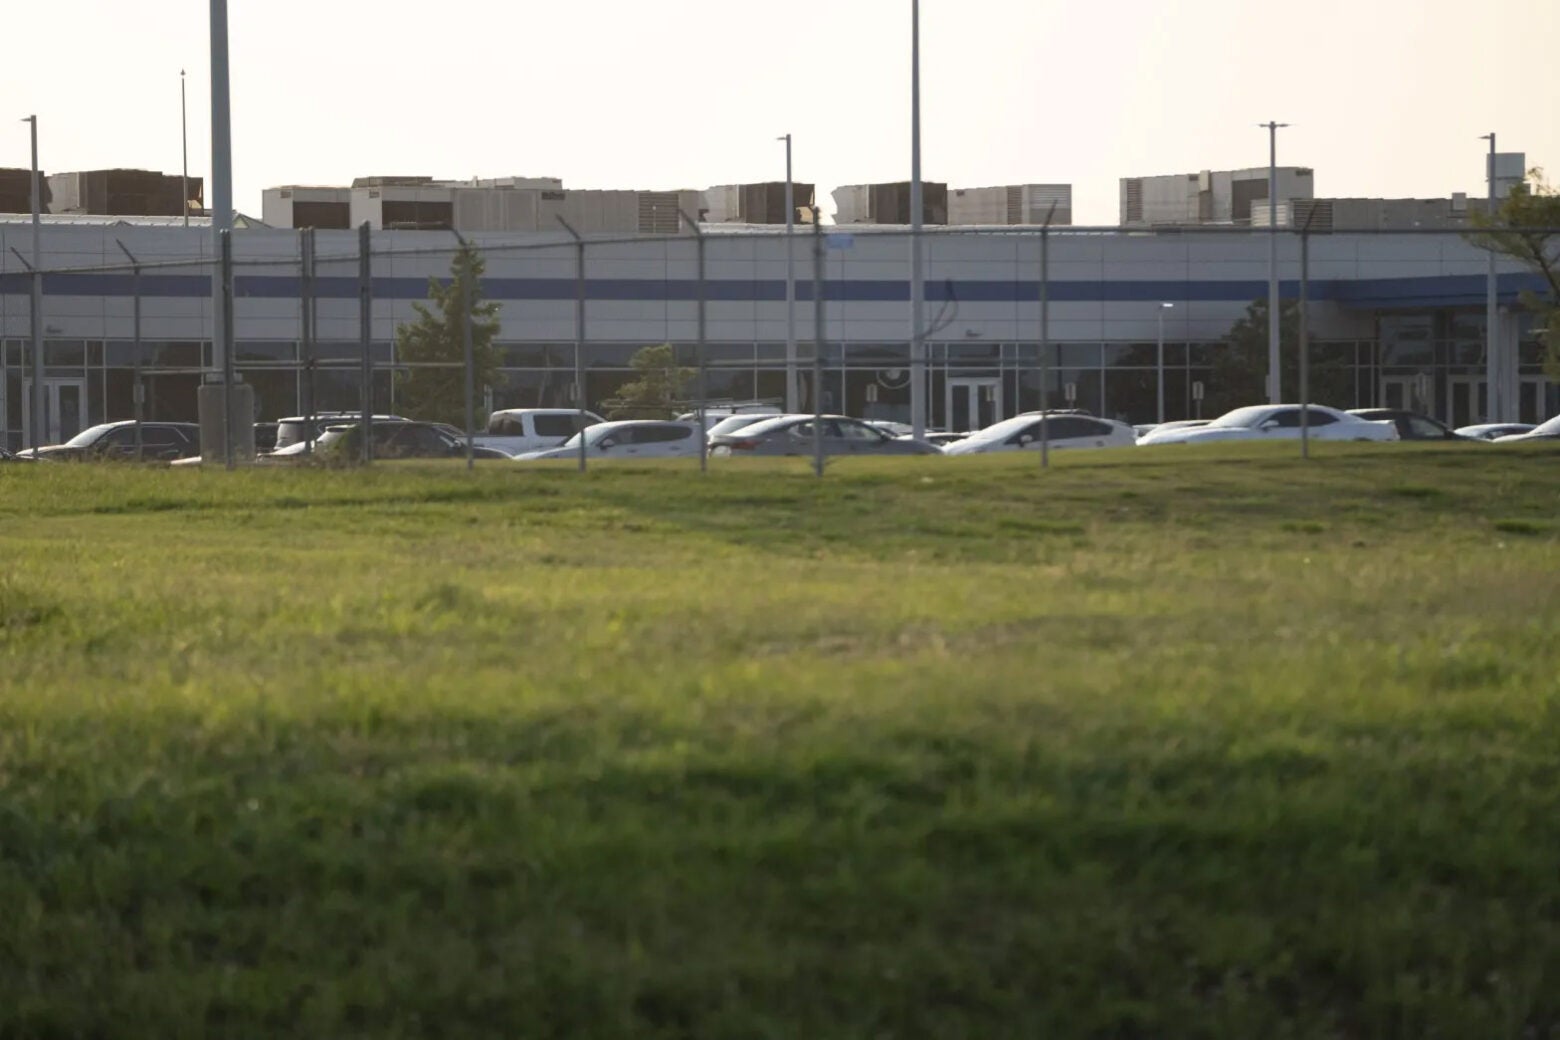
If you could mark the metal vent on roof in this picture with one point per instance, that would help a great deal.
(1314, 215)
(658, 213)
(1015, 205)
(1134, 214)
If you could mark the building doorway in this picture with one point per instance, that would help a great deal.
(973, 403)
(1408, 393)
(64, 409)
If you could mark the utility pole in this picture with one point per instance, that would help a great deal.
(1045, 337)
(1494, 369)
(184, 136)
(917, 289)
(37, 427)
(137, 389)
(791, 395)
(704, 440)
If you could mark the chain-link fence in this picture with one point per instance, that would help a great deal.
(1135, 326)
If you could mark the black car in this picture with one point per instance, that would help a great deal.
(401, 439)
(161, 441)
(1411, 426)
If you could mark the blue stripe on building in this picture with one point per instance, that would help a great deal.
(1434, 291)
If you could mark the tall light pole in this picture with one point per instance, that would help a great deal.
(1274, 387)
(917, 331)
(1494, 373)
(1161, 358)
(36, 428)
(791, 403)
(184, 139)
(221, 157)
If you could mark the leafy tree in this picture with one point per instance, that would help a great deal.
(658, 390)
(439, 394)
(1522, 227)
(1239, 371)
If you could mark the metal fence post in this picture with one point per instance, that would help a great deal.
(137, 389)
(818, 334)
(704, 445)
(1305, 341)
(307, 319)
(579, 332)
(464, 259)
(365, 337)
(230, 456)
(1045, 337)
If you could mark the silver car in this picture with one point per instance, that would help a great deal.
(793, 435)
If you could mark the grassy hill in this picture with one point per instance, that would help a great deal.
(1157, 743)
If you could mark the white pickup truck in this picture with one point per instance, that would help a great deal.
(520, 430)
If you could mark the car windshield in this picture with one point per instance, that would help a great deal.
(89, 436)
(733, 423)
(1240, 417)
(1548, 428)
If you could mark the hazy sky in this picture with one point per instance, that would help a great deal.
(1387, 97)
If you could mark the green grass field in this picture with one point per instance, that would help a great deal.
(1159, 743)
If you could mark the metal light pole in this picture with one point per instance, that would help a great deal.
(365, 340)
(791, 395)
(184, 136)
(1275, 383)
(1160, 359)
(917, 290)
(468, 359)
(36, 426)
(1495, 410)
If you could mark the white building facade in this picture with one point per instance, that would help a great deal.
(1397, 319)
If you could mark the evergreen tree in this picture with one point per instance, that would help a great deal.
(1238, 374)
(658, 392)
(439, 394)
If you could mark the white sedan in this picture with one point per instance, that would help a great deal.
(627, 439)
(1022, 433)
(1279, 422)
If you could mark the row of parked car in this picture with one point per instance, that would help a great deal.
(536, 434)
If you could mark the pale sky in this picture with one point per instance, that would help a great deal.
(1387, 97)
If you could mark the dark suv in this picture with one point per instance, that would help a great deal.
(162, 441)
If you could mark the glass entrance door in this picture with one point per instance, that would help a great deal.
(973, 404)
(1531, 391)
(1467, 402)
(64, 409)
(1406, 393)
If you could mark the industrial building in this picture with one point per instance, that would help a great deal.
(509, 204)
(889, 203)
(1208, 197)
(1011, 204)
(125, 193)
(1397, 319)
(758, 203)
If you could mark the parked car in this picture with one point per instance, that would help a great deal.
(265, 437)
(714, 414)
(163, 441)
(1490, 431)
(405, 439)
(733, 423)
(1278, 422)
(1144, 429)
(627, 439)
(520, 430)
(943, 438)
(1023, 433)
(1411, 426)
(1546, 431)
(299, 429)
(892, 428)
(793, 435)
